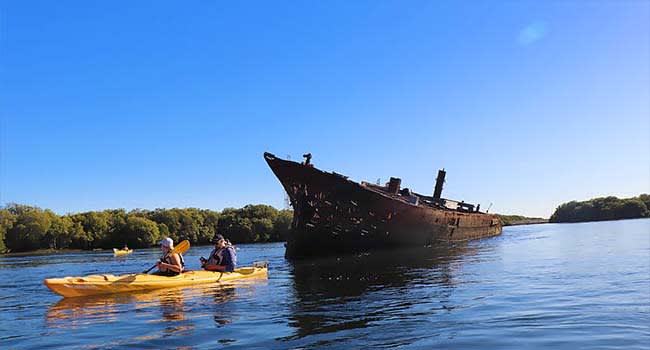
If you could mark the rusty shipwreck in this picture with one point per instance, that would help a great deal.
(334, 215)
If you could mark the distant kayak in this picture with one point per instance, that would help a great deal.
(122, 251)
(109, 284)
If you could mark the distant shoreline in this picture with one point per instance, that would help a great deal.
(46, 252)
(514, 220)
(602, 209)
(527, 222)
(530, 221)
(545, 221)
(25, 228)
(101, 250)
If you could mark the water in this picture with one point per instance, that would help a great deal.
(569, 286)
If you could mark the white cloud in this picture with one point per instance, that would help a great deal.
(532, 33)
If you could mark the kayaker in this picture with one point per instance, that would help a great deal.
(223, 257)
(169, 264)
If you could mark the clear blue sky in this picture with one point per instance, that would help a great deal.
(171, 104)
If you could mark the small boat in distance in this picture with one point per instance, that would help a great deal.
(122, 251)
(333, 214)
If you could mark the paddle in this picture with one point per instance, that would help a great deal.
(179, 249)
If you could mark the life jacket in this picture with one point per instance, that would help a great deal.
(168, 260)
(217, 256)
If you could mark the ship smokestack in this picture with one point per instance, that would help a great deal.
(437, 191)
(393, 185)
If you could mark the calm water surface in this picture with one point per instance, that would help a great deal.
(569, 286)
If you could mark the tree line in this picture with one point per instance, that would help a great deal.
(26, 228)
(604, 208)
(510, 220)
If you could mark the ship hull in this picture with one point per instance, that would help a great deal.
(334, 215)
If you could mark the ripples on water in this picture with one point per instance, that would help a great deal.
(571, 286)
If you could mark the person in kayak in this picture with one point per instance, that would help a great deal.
(223, 257)
(169, 264)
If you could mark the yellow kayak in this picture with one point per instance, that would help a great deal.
(109, 284)
(122, 251)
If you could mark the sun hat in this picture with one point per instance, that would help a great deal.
(167, 242)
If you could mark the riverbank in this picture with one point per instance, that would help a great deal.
(108, 251)
(50, 252)
(528, 222)
(515, 220)
(603, 209)
(26, 228)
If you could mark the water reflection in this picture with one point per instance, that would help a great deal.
(175, 308)
(222, 313)
(71, 313)
(172, 311)
(171, 306)
(104, 308)
(354, 291)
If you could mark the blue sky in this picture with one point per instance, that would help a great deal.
(167, 104)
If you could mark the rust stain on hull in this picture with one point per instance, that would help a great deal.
(333, 214)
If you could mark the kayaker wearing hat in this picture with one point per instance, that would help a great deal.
(222, 258)
(169, 264)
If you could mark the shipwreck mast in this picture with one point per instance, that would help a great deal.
(440, 180)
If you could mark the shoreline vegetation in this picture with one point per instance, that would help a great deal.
(602, 209)
(25, 228)
(514, 220)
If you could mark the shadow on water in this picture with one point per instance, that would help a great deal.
(355, 291)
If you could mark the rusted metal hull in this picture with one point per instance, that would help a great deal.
(334, 215)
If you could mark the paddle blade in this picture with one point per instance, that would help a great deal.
(181, 247)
